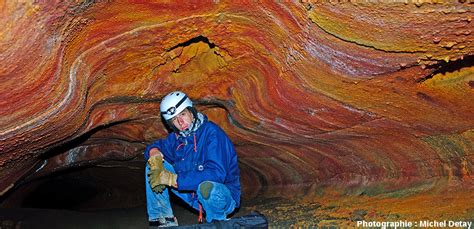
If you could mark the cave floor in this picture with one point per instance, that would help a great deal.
(344, 211)
(96, 200)
(309, 212)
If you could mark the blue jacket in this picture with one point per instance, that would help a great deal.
(205, 155)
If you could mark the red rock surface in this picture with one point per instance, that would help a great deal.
(361, 98)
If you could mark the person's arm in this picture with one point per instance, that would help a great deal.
(216, 154)
(154, 152)
(160, 146)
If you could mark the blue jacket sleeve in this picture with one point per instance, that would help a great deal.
(164, 145)
(216, 153)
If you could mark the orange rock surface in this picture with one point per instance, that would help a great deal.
(356, 97)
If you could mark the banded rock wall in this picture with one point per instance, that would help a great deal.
(357, 96)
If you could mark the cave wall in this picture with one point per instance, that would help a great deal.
(358, 97)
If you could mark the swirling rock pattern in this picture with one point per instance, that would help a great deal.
(361, 98)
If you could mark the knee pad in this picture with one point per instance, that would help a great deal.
(205, 189)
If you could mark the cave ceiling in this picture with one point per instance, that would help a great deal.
(312, 94)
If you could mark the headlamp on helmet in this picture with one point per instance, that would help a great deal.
(173, 103)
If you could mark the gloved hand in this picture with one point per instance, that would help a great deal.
(158, 181)
(156, 167)
(159, 188)
(158, 177)
(156, 163)
(166, 178)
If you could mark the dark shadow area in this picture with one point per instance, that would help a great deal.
(451, 66)
(109, 195)
(197, 39)
(61, 193)
(108, 185)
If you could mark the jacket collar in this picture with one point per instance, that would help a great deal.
(197, 122)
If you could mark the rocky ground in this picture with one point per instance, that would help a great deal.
(88, 199)
(281, 213)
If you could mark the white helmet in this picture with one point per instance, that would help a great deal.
(173, 103)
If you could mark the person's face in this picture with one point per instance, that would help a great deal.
(183, 120)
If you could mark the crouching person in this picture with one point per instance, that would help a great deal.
(196, 162)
